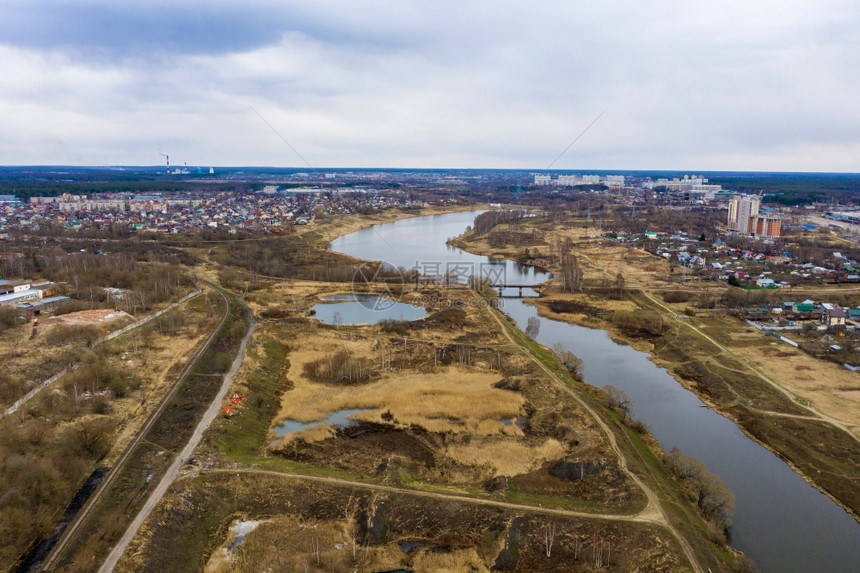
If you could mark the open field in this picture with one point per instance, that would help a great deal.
(830, 388)
(432, 432)
(148, 455)
(444, 401)
(466, 451)
(320, 526)
(33, 352)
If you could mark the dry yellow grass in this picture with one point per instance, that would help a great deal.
(156, 364)
(324, 546)
(431, 400)
(453, 562)
(507, 456)
(832, 389)
(298, 546)
(313, 434)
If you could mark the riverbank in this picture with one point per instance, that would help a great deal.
(440, 412)
(735, 412)
(823, 455)
(449, 419)
(330, 228)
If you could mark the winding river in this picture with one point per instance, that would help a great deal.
(780, 521)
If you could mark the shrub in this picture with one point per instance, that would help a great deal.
(713, 497)
(637, 425)
(340, 367)
(617, 399)
(571, 361)
(399, 327)
(70, 334)
(677, 296)
(8, 318)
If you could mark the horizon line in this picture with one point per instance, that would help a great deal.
(330, 168)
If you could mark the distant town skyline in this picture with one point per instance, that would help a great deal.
(710, 86)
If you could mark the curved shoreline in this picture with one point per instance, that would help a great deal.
(690, 385)
(648, 348)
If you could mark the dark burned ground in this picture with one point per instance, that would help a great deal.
(394, 453)
(399, 456)
(409, 529)
(602, 481)
(329, 524)
(369, 449)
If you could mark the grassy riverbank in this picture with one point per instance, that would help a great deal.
(714, 357)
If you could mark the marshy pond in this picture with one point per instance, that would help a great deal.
(347, 309)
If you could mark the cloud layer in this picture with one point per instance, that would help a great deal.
(711, 85)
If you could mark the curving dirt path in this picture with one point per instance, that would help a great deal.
(819, 416)
(845, 427)
(643, 516)
(653, 511)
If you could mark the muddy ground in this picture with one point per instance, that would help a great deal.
(315, 526)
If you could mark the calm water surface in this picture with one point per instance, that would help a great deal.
(780, 521)
(364, 309)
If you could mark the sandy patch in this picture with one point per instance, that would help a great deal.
(98, 317)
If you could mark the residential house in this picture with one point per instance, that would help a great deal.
(833, 317)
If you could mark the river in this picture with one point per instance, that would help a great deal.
(780, 521)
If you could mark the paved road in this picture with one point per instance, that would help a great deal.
(173, 470)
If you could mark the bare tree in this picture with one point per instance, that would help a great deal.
(571, 361)
(549, 536)
(571, 271)
(533, 327)
(351, 518)
(713, 497)
(619, 284)
(617, 399)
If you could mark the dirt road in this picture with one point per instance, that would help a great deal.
(653, 511)
(73, 528)
(816, 415)
(146, 319)
(173, 470)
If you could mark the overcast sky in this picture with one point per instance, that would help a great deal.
(727, 85)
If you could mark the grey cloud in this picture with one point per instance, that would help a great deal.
(469, 84)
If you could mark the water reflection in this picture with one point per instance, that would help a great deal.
(781, 522)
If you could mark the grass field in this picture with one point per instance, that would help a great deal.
(314, 527)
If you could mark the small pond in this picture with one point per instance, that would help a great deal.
(338, 419)
(364, 309)
(241, 529)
